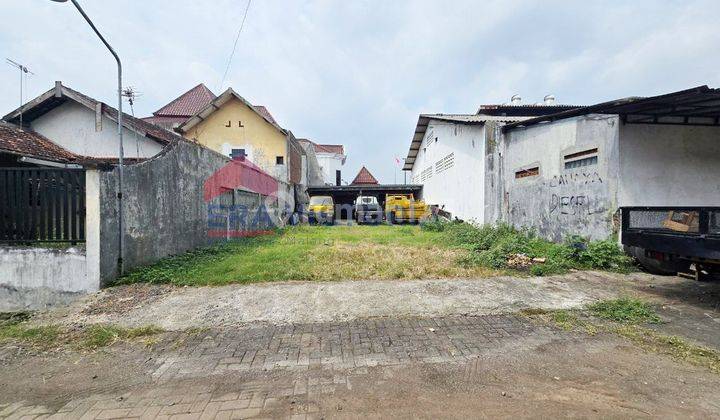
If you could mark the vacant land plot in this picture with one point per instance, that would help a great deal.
(434, 250)
(318, 253)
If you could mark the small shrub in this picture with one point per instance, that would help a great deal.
(625, 310)
(492, 246)
(434, 225)
(605, 255)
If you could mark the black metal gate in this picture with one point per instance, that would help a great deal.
(42, 205)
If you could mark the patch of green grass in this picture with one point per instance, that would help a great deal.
(101, 335)
(491, 246)
(93, 337)
(564, 319)
(42, 336)
(312, 253)
(625, 310)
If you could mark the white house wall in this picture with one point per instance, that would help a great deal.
(664, 165)
(559, 202)
(450, 166)
(329, 163)
(72, 126)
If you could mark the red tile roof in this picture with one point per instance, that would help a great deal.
(20, 141)
(364, 177)
(187, 104)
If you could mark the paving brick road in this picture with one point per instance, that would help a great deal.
(292, 365)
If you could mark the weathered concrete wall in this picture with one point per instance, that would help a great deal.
(57, 269)
(450, 166)
(72, 126)
(313, 171)
(662, 165)
(559, 202)
(14, 299)
(165, 212)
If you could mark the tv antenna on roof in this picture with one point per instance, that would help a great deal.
(24, 72)
(130, 93)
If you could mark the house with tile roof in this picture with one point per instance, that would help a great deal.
(364, 177)
(231, 125)
(85, 127)
(331, 158)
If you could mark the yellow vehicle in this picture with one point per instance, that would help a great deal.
(404, 208)
(321, 210)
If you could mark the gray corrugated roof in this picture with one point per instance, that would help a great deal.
(424, 120)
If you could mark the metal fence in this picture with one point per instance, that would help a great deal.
(42, 205)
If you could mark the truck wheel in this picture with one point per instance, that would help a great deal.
(652, 265)
(391, 218)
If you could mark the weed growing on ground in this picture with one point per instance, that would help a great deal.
(101, 335)
(41, 336)
(673, 346)
(626, 316)
(491, 246)
(93, 337)
(625, 310)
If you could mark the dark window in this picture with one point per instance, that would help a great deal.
(279, 160)
(527, 172)
(238, 154)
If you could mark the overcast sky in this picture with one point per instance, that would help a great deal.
(359, 72)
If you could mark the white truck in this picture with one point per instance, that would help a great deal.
(368, 210)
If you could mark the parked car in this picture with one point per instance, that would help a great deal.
(670, 240)
(368, 210)
(321, 210)
(404, 208)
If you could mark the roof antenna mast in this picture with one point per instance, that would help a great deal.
(130, 93)
(24, 72)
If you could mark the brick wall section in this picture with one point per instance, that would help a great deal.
(295, 152)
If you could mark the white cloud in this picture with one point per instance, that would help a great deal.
(359, 72)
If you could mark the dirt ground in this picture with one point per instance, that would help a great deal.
(444, 358)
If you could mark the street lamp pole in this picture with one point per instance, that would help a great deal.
(121, 240)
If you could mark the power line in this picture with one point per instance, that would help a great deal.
(232, 54)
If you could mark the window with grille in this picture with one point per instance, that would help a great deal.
(426, 174)
(581, 159)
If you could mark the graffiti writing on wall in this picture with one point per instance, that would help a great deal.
(577, 178)
(572, 205)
